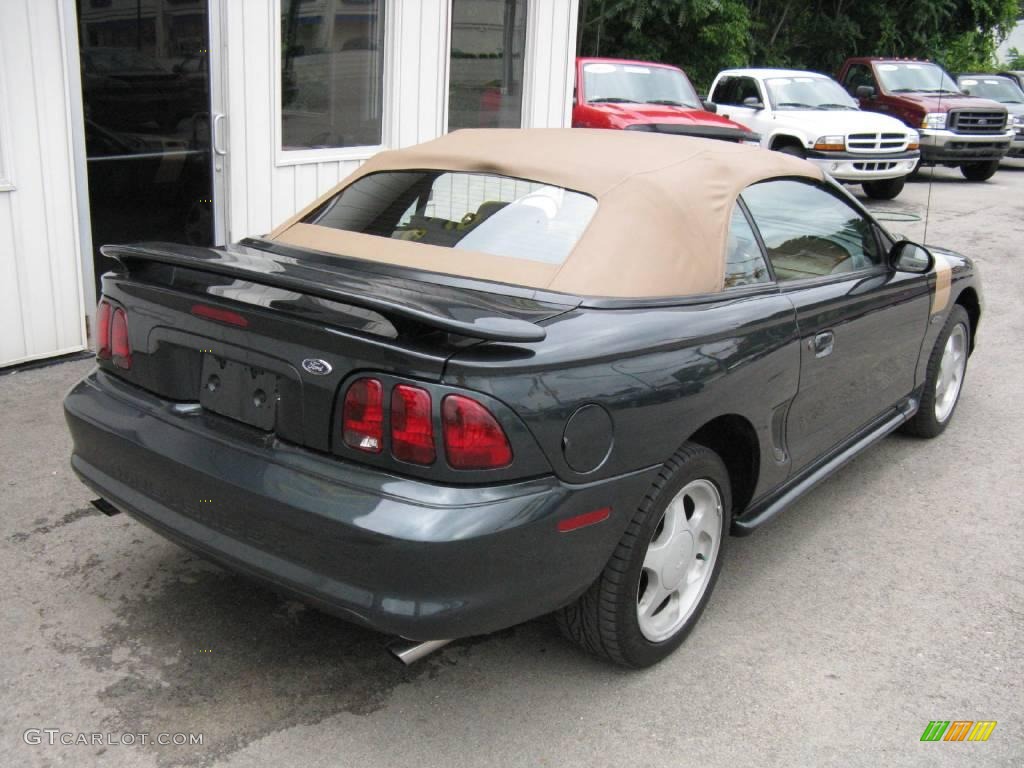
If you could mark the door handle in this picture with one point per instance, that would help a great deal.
(822, 344)
(217, 147)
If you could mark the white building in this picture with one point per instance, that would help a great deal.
(207, 121)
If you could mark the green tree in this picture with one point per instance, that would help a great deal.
(704, 36)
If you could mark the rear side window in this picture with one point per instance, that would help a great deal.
(744, 264)
(487, 213)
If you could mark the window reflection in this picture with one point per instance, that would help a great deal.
(486, 70)
(332, 73)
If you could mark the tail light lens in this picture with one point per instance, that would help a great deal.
(363, 415)
(120, 348)
(103, 312)
(473, 439)
(412, 428)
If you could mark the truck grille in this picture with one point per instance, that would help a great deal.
(977, 121)
(876, 142)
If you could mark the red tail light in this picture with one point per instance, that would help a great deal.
(103, 329)
(363, 416)
(473, 439)
(412, 428)
(120, 347)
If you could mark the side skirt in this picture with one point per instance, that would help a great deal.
(774, 502)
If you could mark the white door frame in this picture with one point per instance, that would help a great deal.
(218, 106)
(76, 117)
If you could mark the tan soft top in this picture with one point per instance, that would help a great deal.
(662, 220)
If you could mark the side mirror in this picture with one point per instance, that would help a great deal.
(865, 92)
(906, 256)
(753, 102)
(709, 106)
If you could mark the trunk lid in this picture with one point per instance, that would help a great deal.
(266, 335)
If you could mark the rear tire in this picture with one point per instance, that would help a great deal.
(636, 613)
(947, 368)
(884, 189)
(979, 171)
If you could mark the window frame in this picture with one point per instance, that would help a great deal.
(529, 46)
(883, 267)
(287, 157)
(772, 281)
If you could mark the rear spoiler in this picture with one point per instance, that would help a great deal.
(463, 311)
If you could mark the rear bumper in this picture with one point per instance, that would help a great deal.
(857, 166)
(400, 556)
(949, 147)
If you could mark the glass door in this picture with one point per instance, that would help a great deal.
(149, 126)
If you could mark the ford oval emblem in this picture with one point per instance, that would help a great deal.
(316, 366)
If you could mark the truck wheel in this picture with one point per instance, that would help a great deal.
(979, 171)
(884, 189)
(657, 582)
(792, 149)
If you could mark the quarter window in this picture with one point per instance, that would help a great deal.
(744, 264)
(332, 74)
(810, 232)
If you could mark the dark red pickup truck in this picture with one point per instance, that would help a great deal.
(643, 96)
(956, 130)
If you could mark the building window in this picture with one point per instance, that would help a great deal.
(332, 73)
(486, 71)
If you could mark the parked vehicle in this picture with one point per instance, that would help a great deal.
(811, 116)
(1007, 92)
(643, 96)
(487, 378)
(958, 131)
(1017, 75)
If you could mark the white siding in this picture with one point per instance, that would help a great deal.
(264, 189)
(550, 58)
(41, 311)
(265, 186)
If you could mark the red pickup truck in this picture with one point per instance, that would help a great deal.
(956, 130)
(643, 96)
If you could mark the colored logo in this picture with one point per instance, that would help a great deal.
(316, 366)
(958, 730)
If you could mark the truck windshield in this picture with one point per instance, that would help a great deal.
(808, 93)
(996, 88)
(608, 83)
(914, 77)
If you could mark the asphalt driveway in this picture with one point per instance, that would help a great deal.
(890, 596)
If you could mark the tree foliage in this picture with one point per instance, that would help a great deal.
(705, 36)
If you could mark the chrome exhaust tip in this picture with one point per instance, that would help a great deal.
(409, 652)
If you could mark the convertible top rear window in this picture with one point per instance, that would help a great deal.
(478, 212)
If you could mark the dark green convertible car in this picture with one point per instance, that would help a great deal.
(511, 373)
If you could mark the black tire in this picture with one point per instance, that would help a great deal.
(603, 621)
(979, 171)
(925, 423)
(792, 149)
(884, 189)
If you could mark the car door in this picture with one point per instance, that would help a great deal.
(861, 323)
(729, 94)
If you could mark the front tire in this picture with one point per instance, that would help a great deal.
(884, 189)
(979, 171)
(792, 149)
(658, 581)
(947, 367)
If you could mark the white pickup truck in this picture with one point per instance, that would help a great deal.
(810, 115)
